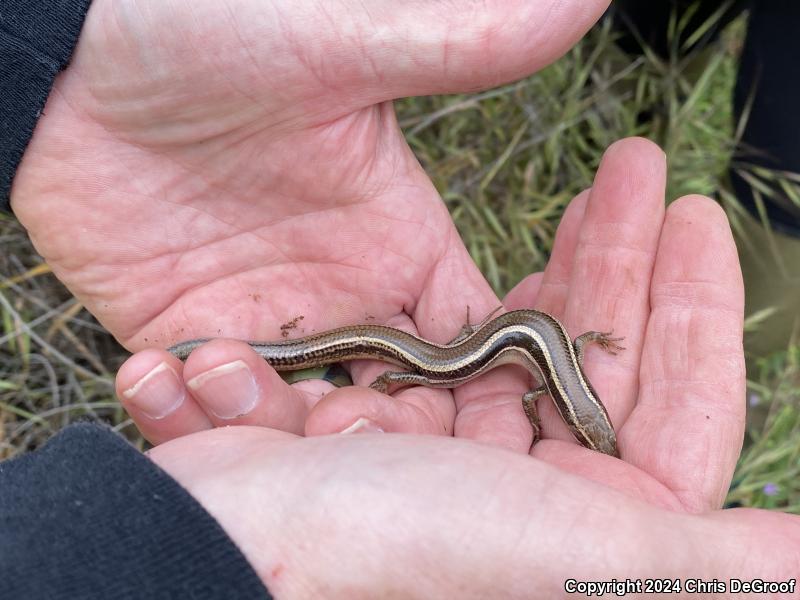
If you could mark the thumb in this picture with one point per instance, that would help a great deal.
(423, 48)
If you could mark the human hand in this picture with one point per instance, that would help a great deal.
(218, 169)
(669, 283)
(421, 517)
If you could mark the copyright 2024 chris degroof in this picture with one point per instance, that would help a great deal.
(623, 587)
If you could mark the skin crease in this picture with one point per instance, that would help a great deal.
(169, 184)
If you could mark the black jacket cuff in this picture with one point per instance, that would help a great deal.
(88, 516)
(37, 38)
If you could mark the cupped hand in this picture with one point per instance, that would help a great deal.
(210, 169)
(669, 281)
(219, 169)
(428, 517)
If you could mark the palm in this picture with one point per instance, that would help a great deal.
(496, 525)
(223, 203)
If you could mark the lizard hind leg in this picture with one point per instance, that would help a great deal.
(529, 406)
(467, 329)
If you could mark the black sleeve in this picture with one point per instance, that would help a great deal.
(88, 516)
(37, 38)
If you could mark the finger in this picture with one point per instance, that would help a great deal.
(150, 386)
(464, 45)
(426, 410)
(359, 410)
(524, 294)
(453, 287)
(688, 425)
(609, 280)
(488, 409)
(547, 291)
(362, 410)
(551, 295)
(236, 386)
(377, 51)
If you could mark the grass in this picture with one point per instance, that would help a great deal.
(768, 473)
(506, 161)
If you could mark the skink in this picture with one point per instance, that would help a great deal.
(529, 338)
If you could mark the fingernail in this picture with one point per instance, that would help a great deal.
(363, 425)
(157, 394)
(228, 391)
